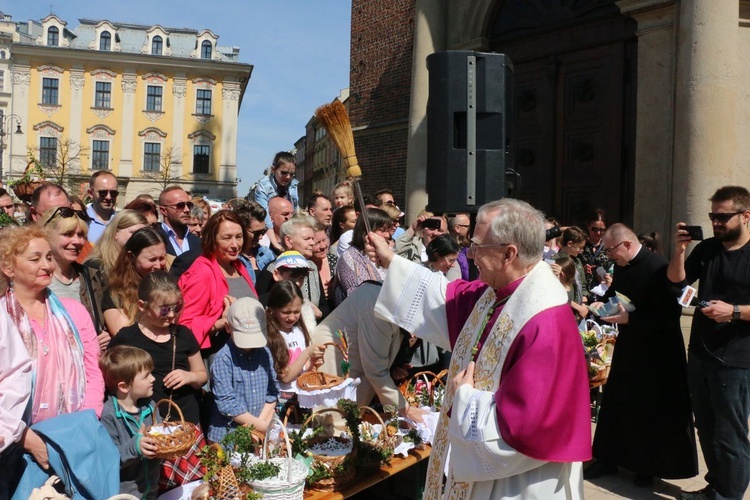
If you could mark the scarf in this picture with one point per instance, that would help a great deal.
(58, 375)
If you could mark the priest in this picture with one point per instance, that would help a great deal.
(516, 418)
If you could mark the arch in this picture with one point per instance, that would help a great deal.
(53, 36)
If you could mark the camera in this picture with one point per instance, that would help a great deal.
(431, 224)
(695, 232)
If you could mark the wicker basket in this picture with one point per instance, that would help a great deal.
(602, 370)
(24, 189)
(408, 388)
(340, 479)
(290, 484)
(175, 444)
(384, 442)
(315, 380)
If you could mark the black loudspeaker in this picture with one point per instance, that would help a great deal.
(468, 129)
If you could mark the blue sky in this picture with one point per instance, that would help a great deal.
(300, 50)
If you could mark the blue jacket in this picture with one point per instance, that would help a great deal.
(266, 188)
(81, 453)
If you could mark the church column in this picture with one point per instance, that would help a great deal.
(705, 144)
(654, 135)
(429, 37)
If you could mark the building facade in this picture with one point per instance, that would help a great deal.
(636, 106)
(155, 106)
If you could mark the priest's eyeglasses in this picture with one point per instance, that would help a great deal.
(610, 250)
(473, 247)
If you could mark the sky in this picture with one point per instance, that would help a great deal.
(299, 50)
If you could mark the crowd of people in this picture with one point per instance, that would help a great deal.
(106, 312)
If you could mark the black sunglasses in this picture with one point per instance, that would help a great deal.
(181, 205)
(67, 213)
(723, 218)
(260, 232)
(112, 193)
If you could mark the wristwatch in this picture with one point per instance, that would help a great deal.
(736, 313)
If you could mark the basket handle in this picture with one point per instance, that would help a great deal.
(179, 412)
(384, 433)
(289, 458)
(326, 345)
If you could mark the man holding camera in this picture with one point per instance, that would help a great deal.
(719, 350)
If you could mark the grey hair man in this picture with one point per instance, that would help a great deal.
(298, 233)
(517, 323)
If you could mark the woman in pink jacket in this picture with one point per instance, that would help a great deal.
(215, 280)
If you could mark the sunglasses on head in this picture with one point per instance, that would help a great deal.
(113, 193)
(67, 213)
(723, 218)
(181, 205)
(163, 311)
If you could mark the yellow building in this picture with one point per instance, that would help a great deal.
(155, 106)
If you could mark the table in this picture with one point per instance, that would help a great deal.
(363, 482)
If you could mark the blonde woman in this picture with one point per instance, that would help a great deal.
(115, 235)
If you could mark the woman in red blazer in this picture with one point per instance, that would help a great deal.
(215, 280)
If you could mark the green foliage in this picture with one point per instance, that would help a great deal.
(352, 415)
(213, 459)
(240, 440)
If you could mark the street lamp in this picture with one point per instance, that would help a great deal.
(6, 123)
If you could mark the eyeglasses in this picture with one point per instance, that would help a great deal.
(164, 311)
(597, 229)
(473, 247)
(181, 205)
(67, 213)
(259, 233)
(113, 193)
(285, 173)
(462, 225)
(723, 218)
(610, 250)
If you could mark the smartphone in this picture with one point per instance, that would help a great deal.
(601, 272)
(695, 232)
(431, 224)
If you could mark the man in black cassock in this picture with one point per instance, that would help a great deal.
(645, 421)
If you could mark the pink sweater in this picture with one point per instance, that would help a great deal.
(94, 398)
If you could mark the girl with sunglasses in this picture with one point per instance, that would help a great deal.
(156, 331)
(593, 255)
(179, 372)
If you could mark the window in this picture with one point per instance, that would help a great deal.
(53, 36)
(203, 103)
(151, 156)
(2, 80)
(153, 98)
(100, 155)
(49, 90)
(103, 95)
(105, 41)
(206, 49)
(156, 45)
(201, 155)
(48, 151)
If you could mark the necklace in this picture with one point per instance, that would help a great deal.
(490, 312)
(59, 280)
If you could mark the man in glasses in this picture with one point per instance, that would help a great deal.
(103, 192)
(719, 350)
(517, 372)
(649, 349)
(279, 182)
(175, 206)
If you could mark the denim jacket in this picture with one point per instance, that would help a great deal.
(266, 188)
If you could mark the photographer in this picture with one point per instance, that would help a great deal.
(413, 243)
(719, 350)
